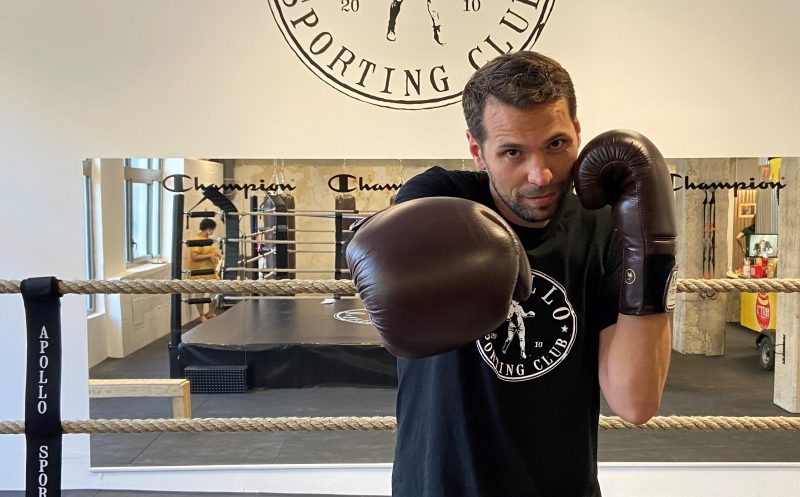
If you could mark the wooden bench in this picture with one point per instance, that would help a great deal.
(177, 388)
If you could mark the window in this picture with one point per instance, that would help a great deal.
(154, 164)
(142, 208)
(88, 232)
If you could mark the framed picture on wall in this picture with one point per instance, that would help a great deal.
(747, 211)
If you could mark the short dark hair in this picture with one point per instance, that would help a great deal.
(520, 79)
(208, 224)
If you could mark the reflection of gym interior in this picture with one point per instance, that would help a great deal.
(317, 355)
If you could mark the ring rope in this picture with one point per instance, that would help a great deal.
(263, 287)
(283, 287)
(384, 423)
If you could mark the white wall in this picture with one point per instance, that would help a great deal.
(203, 78)
(125, 323)
(121, 324)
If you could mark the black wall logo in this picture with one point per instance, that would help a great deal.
(536, 337)
(406, 54)
(181, 183)
(680, 182)
(345, 183)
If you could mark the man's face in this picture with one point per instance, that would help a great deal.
(528, 155)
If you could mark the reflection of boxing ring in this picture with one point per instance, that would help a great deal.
(239, 348)
(289, 343)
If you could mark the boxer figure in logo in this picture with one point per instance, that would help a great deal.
(394, 11)
(516, 325)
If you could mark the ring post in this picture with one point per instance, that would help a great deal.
(291, 224)
(231, 255)
(338, 260)
(254, 228)
(344, 202)
(175, 298)
(42, 387)
(281, 234)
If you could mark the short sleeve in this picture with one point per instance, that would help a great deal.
(433, 182)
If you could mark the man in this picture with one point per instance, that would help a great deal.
(483, 419)
(205, 257)
(742, 236)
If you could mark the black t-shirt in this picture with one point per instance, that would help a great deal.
(515, 414)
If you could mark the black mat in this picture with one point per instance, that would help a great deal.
(293, 343)
(287, 321)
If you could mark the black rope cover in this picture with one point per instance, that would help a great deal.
(43, 387)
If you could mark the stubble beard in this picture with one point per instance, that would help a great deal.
(530, 213)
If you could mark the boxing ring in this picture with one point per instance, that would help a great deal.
(43, 427)
(293, 343)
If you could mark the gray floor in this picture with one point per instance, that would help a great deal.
(732, 385)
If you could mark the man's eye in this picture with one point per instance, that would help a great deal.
(512, 153)
(556, 144)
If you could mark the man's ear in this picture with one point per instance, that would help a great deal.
(475, 152)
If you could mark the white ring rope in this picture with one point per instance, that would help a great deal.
(281, 287)
(384, 423)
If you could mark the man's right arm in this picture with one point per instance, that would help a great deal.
(437, 271)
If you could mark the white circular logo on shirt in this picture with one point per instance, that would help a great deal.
(536, 337)
(406, 54)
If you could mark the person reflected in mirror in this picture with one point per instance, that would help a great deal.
(741, 237)
(206, 257)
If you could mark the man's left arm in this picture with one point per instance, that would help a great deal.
(625, 170)
(633, 364)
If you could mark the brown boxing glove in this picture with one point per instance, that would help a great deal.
(437, 273)
(625, 170)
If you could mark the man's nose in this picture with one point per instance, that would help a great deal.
(539, 172)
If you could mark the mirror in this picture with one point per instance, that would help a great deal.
(316, 355)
